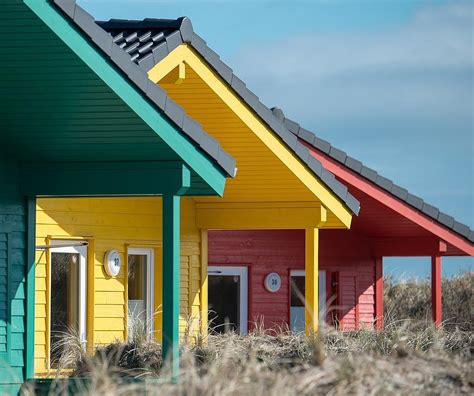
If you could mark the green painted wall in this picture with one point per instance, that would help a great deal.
(12, 278)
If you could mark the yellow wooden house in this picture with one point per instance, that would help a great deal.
(279, 185)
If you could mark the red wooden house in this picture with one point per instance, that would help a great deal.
(392, 222)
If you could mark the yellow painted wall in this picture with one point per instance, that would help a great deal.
(112, 223)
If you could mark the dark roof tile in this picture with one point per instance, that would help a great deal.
(174, 111)
(400, 192)
(147, 62)
(353, 164)
(415, 201)
(461, 229)
(278, 113)
(337, 154)
(193, 129)
(160, 51)
(368, 173)
(383, 182)
(292, 126)
(186, 30)
(322, 145)
(173, 40)
(445, 219)
(306, 135)
(430, 210)
(199, 44)
(67, 6)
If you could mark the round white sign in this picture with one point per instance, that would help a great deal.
(272, 282)
(112, 262)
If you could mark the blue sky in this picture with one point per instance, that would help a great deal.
(389, 81)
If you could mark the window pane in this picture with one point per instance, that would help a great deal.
(137, 291)
(64, 299)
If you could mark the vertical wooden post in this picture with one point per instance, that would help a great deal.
(378, 293)
(171, 225)
(30, 288)
(311, 280)
(204, 282)
(436, 299)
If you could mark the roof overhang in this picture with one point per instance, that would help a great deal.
(441, 236)
(209, 166)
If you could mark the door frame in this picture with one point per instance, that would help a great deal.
(242, 272)
(82, 251)
(150, 276)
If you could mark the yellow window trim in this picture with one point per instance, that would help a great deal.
(185, 54)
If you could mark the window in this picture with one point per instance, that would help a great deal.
(297, 289)
(68, 292)
(140, 291)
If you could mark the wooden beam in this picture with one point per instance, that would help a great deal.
(266, 215)
(30, 288)
(104, 178)
(311, 280)
(378, 272)
(204, 282)
(436, 292)
(422, 247)
(175, 76)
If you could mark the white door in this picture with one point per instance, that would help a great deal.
(228, 298)
(67, 293)
(297, 293)
(140, 290)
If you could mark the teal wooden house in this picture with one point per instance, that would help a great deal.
(69, 99)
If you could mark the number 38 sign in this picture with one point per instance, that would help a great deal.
(112, 262)
(272, 282)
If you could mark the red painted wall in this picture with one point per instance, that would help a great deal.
(265, 251)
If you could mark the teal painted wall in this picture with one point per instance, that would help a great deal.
(12, 278)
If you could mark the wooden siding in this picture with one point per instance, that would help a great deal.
(267, 170)
(113, 223)
(280, 251)
(13, 231)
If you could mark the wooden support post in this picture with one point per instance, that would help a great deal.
(378, 293)
(204, 282)
(30, 288)
(311, 280)
(171, 223)
(436, 299)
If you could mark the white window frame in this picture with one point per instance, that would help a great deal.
(321, 306)
(150, 276)
(81, 250)
(242, 272)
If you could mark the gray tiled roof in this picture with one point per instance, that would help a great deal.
(126, 60)
(371, 175)
(149, 41)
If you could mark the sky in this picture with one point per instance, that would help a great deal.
(388, 81)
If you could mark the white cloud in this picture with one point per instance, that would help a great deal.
(422, 67)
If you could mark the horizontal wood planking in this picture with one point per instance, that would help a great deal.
(113, 223)
(280, 251)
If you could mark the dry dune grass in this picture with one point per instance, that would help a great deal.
(408, 357)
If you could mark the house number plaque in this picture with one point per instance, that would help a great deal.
(112, 263)
(272, 282)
